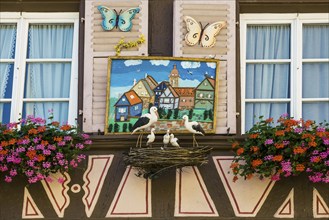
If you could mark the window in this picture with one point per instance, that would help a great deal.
(122, 110)
(284, 67)
(38, 65)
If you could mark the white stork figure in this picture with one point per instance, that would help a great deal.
(166, 139)
(150, 138)
(174, 141)
(145, 121)
(193, 127)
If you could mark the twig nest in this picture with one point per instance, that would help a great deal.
(150, 162)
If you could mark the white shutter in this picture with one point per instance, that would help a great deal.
(210, 11)
(99, 44)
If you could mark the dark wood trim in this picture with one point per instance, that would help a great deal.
(237, 68)
(81, 63)
(160, 27)
(282, 6)
(218, 142)
(40, 6)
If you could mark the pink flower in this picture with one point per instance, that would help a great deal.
(13, 172)
(88, 142)
(8, 179)
(275, 177)
(85, 136)
(269, 141)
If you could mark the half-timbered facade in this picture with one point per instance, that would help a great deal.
(273, 59)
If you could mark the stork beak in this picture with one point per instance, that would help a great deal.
(157, 114)
(182, 122)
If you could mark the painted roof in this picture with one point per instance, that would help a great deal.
(151, 81)
(212, 81)
(185, 91)
(148, 87)
(172, 90)
(132, 97)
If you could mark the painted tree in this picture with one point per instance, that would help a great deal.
(176, 111)
(169, 114)
(161, 113)
(190, 113)
(211, 114)
(116, 127)
(124, 127)
(205, 114)
(110, 128)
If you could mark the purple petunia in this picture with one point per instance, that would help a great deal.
(269, 141)
(298, 130)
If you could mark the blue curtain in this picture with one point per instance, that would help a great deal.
(267, 80)
(49, 80)
(316, 75)
(7, 51)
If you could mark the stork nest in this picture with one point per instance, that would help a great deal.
(150, 162)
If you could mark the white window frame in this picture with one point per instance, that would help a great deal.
(22, 20)
(296, 21)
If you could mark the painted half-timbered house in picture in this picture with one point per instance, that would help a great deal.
(158, 90)
(270, 59)
(204, 94)
(144, 90)
(186, 97)
(169, 99)
(128, 105)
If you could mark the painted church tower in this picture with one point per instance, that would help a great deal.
(174, 77)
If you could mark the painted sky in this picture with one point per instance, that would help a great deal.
(123, 72)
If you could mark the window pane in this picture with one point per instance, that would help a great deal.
(316, 80)
(7, 41)
(41, 109)
(268, 41)
(267, 81)
(316, 41)
(47, 80)
(268, 110)
(5, 112)
(50, 41)
(6, 80)
(317, 111)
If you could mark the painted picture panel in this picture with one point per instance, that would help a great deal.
(176, 86)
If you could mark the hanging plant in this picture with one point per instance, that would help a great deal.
(33, 148)
(130, 44)
(289, 148)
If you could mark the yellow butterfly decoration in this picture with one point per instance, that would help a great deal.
(205, 36)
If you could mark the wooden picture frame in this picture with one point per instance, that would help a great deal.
(176, 86)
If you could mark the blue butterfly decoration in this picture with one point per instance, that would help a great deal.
(111, 18)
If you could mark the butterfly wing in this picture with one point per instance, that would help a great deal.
(208, 38)
(109, 17)
(193, 31)
(125, 19)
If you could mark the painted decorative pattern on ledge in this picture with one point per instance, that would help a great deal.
(94, 176)
(254, 191)
(133, 197)
(198, 203)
